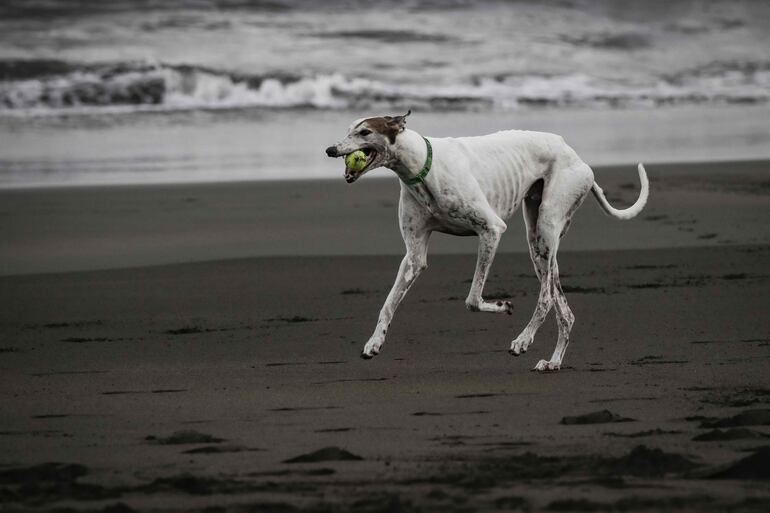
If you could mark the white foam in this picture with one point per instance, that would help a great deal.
(176, 88)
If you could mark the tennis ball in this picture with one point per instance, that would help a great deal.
(355, 161)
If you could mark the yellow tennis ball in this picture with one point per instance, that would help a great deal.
(355, 161)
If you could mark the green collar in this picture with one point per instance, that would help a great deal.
(420, 178)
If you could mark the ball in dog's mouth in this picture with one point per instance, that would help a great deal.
(356, 163)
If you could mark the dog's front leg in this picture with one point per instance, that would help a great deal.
(488, 241)
(415, 261)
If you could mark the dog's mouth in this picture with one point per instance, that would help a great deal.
(351, 175)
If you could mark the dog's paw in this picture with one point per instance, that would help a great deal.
(520, 345)
(507, 307)
(489, 306)
(546, 366)
(371, 349)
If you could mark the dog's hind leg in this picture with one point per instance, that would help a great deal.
(561, 198)
(565, 319)
(545, 244)
(564, 316)
(544, 231)
(539, 250)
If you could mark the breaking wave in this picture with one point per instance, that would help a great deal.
(42, 87)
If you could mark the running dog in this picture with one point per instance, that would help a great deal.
(471, 186)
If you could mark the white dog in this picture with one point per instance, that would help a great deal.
(471, 186)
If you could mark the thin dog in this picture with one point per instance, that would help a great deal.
(471, 186)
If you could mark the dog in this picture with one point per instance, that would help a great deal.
(471, 186)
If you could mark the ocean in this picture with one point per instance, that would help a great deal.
(211, 90)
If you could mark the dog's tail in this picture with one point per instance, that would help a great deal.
(634, 209)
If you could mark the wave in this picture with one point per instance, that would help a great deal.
(45, 87)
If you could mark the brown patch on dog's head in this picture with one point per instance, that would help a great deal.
(389, 126)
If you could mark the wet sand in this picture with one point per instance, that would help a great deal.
(82, 228)
(235, 385)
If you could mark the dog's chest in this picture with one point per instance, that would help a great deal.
(449, 213)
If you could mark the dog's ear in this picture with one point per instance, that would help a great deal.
(398, 122)
(389, 126)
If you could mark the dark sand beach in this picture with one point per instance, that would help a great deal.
(187, 282)
(158, 353)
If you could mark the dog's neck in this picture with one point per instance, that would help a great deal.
(409, 154)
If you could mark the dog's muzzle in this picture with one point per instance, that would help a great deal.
(331, 151)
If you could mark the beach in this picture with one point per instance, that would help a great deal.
(187, 282)
(162, 352)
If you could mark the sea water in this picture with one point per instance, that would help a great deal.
(209, 90)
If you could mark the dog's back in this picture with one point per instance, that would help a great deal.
(505, 164)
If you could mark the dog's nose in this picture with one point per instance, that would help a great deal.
(331, 151)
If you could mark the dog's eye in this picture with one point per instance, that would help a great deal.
(365, 132)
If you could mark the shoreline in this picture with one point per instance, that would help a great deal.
(684, 166)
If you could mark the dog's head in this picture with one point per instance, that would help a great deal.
(375, 137)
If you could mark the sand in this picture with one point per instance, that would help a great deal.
(82, 228)
(235, 383)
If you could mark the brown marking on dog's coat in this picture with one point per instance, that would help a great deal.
(388, 126)
(382, 125)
